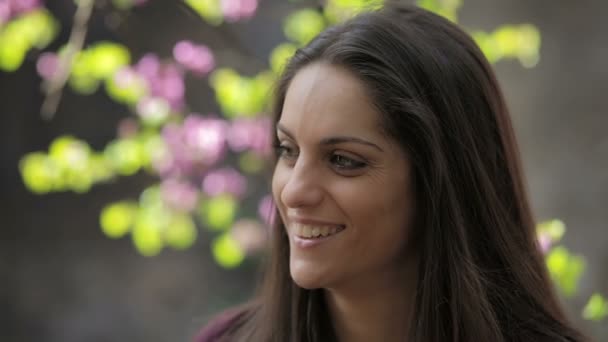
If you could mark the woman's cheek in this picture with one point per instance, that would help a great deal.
(279, 179)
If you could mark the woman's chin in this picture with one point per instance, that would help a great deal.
(305, 285)
(306, 277)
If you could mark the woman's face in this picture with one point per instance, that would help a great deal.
(342, 187)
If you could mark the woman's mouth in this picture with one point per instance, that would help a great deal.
(309, 231)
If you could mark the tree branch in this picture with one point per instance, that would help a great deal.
(54, 87)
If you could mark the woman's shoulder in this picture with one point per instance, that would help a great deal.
(220, 325)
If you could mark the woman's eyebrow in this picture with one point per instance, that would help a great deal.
(343, 139)
(285, 131)
(333, 140)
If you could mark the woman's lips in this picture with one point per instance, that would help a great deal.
(315, 231)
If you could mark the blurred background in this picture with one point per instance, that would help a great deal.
(134, 145)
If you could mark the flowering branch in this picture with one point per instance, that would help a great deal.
(54, 87)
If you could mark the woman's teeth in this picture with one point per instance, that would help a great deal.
(310, 231)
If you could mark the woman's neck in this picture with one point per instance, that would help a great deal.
(377, 308)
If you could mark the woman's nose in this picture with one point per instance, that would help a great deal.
(303, 186)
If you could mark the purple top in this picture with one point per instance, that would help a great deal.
(218, 326)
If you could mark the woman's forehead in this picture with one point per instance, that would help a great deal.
(326, 97)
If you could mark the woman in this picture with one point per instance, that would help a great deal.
(401, 208)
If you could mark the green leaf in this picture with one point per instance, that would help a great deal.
(209, 10)
(81, 79)
(529, 45)
(84, 85)
(147, 239)
(39, 172)
(303, 25)
(340, 10)
(241, 96)
(116, 219)
(251, 163)
(218, 212)
(153, 111)
(596, 308)
(70, 153)
(69, 165)
(555, 229)
(520, 42)
(103, 61)
(280, 55)
(33, 29)
(126, 86)
(565, 269)
(262, 85)
(153, 148)
(12, 51)
(227, 252)
(125, 156)
(151, 222)
(228, 85)
(446, 8)
(123, 4)
(99, 169)
(150, 198)
(105, 58)
(40, 27)
(181, 232)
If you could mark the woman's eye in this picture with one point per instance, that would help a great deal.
(285, 151)
(345, 163)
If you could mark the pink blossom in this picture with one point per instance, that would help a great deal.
(205, 138)
(23, 6)
(545, 242)
(169, 84)
(164, 80)
(235, 10)
(194, 146)
(266, 209)
(148, 66)
(47, 65)
(127, 128)
(124, 77)
(5, 11)
(222, 181)
(153, 108)
(249, 235)
(251, 134)
(195, 58)
(179, 195)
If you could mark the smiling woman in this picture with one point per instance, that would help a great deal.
(336, 170)
(401, 210)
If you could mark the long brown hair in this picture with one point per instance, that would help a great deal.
(482, 276)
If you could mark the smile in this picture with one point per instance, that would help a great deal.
(307, 231)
